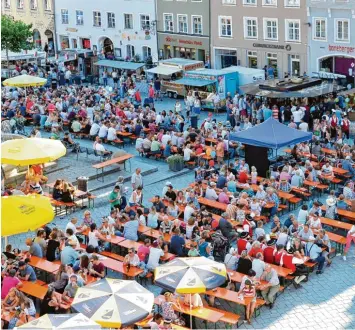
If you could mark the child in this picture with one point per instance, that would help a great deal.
(254, 175)
(255, 206)
(177, 107)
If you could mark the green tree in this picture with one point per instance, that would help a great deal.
(15, 35)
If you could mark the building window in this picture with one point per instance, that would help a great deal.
(130, 51)
(319, 28)
(64, 42)
(7, 4)
(292, 3)
(79, 17)
(111, 20)
(97, 18)
(147, 52)
(128, 21)
(20, 4)
(270, 3)
(250, 28)
(342, 30)
(271, 62)
(293, 30)
(270, 29)
(196, 24)
(47, 5)
(74, 43)
(249, 2)
(229, 2)
(65, 16)
(225, 26)
(145, 22)
(182, 23)
(252, 59)
(225, 58)
(168, 23)
(33, 4)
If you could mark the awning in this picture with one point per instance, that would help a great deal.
(314, 91)
(194, 82)
(347, 92)
(164, 70)
(120, 64)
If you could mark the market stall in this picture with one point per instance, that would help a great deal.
(171, 69)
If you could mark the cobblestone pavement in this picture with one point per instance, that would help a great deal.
(326, 301)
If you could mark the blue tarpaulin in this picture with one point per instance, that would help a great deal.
(120, 64)
(270, 134)
(194, 82)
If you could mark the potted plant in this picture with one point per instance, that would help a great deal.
(176, 163)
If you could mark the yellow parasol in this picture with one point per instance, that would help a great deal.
(22, 152)
(25, 81)
(20, 214)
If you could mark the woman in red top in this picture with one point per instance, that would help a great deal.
(345, 126)
(255, 249)
(243, 176)
(333, 125)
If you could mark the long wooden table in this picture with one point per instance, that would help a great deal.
(33, 289)
(43, 264)
(335, 223)
(203, 313)
(118, 266)
(350, 215)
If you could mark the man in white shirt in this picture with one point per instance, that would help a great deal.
(303, 126)
(95, 128)
(111, 133)
(187, 153)
(297, 116)
(258, 265)
(165, 138)
(210, 192)
(104, 130)
(72, 225)
(189, 210)
(158, 119)
(154, 256)
(98, 146)
(137, 179)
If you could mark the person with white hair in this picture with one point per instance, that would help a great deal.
(231, 259)
(314, 252)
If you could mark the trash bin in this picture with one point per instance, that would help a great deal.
(82, 183)
(193, 121)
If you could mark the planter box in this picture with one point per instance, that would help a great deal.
(176, 167)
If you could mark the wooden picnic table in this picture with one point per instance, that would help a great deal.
(113, 239)
(238, 278)
(118, 266)
(335, 223)
(128, 244)
(350, 215)
(124, 134)
(33, 289)
(43, 264)
(213, 204)
(203, 313)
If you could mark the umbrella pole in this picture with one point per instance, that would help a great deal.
(190, 311)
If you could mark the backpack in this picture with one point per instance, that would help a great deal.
(220, 245)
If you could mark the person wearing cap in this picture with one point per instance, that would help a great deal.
(331, 208)
(314, 252)
(210, 191)
(71, 288)
(26, 272)
(69, 255)
(269, 293)
(165, 189)
(284, 185)
(243, 242)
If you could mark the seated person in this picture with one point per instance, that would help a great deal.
(98, 146)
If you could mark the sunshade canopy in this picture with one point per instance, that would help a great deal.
(314, 91)
(190, 275)
(271, 134)
(20, 214)
(114, 303)
(25, 81)
(164, 70)
(73, 321)
(22, 152)
(120, 64)
(194, 82)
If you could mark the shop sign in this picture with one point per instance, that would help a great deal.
(282, 47)
(199, 76)
(71, 29)
(343, 49)
(193, 66)
(184, 42)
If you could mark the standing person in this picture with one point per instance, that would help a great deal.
(248, 291)
(137, 179)
(104, 77)
(157, 87)
(350, 237)
(269, 293)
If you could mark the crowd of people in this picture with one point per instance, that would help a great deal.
(187, 227)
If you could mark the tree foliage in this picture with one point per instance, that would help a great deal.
(15, 34)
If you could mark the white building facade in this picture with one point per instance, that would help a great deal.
(121, 29)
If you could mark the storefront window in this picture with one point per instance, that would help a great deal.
(74, 43)
(182, 52)
(64, 42)
(271, 60)
(252, 59)
(295, 65)
(225, 58)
